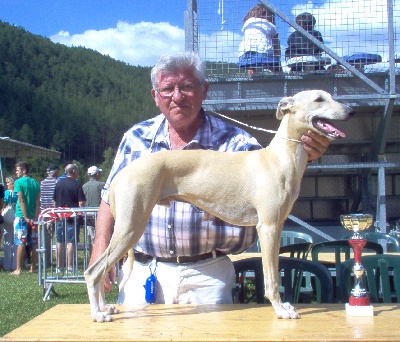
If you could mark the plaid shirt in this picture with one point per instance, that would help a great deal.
(183, 229)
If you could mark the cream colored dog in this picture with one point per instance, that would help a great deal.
(256, 188)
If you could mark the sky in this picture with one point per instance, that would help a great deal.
(139, 31)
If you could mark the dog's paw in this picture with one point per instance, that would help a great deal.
(110, 309)
(101, 317)
(287, 311)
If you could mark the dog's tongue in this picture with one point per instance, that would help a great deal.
(326, 126)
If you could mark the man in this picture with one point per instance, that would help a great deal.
(27, 211)
(68, 192)
(47, 187)
(93, 187)
(92, 190)
(182, 230)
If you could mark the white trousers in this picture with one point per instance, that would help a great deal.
(204, 282)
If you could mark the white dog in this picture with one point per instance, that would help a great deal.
(256, 188)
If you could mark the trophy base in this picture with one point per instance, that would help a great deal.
(360, 311)
(359, 301)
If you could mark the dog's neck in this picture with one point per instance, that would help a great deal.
(287, 141)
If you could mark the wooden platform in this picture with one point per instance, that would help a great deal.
(211, 323)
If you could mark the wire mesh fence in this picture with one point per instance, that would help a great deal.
(361, 32)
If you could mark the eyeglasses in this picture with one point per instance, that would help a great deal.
(185, 89)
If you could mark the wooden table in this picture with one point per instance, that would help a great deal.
(327, 322)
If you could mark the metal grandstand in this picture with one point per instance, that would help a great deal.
(361, 68)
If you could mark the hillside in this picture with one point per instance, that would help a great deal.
(74, 100)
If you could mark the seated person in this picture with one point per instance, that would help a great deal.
(260, 46)
(298, 45)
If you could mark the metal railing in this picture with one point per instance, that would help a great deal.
(60, 261)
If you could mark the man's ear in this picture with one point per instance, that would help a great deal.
(283, 107)
(154, 95)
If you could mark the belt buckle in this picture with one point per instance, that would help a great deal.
(178, 259)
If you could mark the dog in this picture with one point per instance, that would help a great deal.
(254, 188)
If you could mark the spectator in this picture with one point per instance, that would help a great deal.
(27, 211)
(298, 45)
(93, 187)
(182, 230)
(47, 187)
(260, 46)
(92, 190)
(10, 200)
(68, 192)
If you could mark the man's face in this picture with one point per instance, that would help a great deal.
(19, 172)
(183, 106)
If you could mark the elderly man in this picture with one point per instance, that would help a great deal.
(182, 232)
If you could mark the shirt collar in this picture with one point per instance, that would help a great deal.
(158, 133)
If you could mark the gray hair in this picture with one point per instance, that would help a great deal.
(179, 62)
(70, 168)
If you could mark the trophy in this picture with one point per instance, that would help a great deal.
(359, 304)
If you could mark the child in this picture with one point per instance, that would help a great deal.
(298, 45)
(260, 46)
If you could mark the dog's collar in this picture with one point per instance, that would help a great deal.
(289, 139)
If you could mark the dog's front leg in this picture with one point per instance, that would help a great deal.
(270, 242)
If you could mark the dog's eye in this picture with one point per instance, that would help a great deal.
(319, 99)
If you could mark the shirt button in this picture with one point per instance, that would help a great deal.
(169, 226)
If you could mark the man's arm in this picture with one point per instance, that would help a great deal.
(104, 231)
(21, 199)
(315, 145)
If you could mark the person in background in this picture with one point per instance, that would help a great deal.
(298, 45)
(260, 47)
(68, 192)
(10, 201)
(27, 211)
(47, 187)
(186, 245)
(1, 209)
(93, 187)
(92, 190)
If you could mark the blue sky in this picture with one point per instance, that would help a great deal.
(139, 31)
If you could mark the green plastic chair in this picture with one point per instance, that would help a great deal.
(289, 237)
(338, 247)
(292, 269)
(382, 238)
(382, 275)
(301, 251)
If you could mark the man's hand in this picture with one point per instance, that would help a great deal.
(315, 145)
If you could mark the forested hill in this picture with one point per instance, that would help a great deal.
(72, 99)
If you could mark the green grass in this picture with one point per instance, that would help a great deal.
(21, 298)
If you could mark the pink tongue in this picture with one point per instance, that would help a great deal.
(326, 126)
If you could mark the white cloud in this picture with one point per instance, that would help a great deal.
(135, 44)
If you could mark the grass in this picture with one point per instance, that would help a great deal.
(22, 298)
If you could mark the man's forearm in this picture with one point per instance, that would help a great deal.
(104, 231)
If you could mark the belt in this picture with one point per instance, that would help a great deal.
(143, 258)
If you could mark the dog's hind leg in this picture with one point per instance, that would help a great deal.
(269, 236)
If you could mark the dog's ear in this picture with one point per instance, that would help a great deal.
(283, 107)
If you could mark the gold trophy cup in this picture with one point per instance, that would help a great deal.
(359, 304)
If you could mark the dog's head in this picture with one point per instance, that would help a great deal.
(315, 109)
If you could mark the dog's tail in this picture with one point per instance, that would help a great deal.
(129, 265)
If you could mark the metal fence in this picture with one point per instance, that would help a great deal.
(348, 29)
(60, 261)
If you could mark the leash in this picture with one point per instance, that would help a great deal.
(254, 127)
